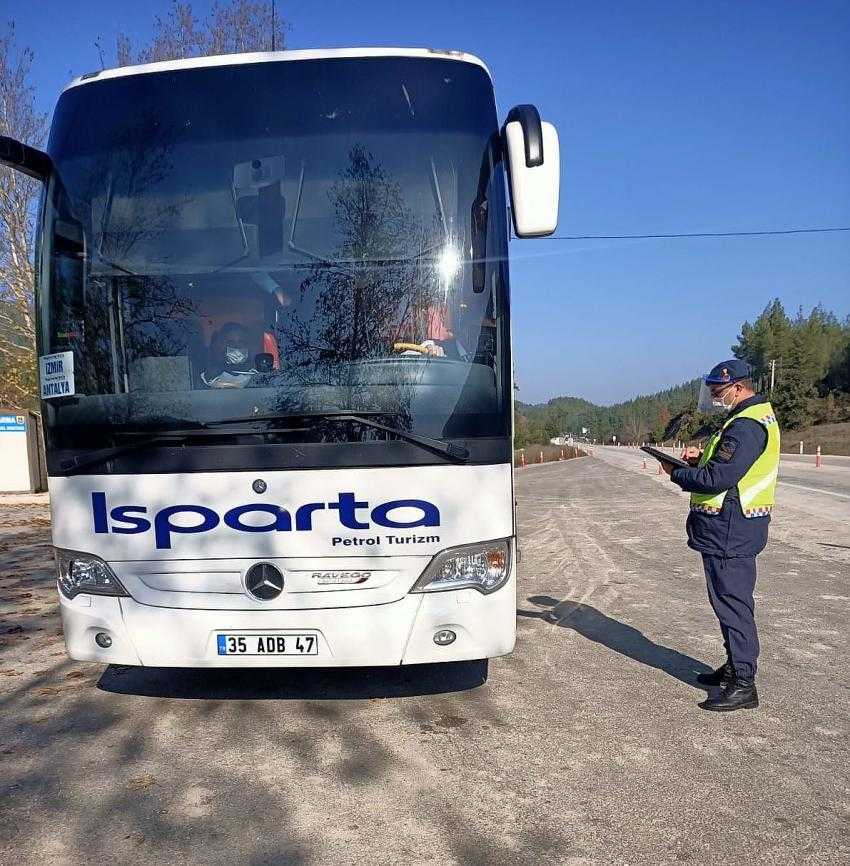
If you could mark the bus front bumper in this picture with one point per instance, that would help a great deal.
(400, 632)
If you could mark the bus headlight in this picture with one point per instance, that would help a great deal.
(82, 572)
(483, 566)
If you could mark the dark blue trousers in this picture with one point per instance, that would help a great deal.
(730, 590)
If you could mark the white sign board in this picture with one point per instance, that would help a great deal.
(56, 373)
(14, 467)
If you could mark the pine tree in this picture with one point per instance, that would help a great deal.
(767, 339)
(797, 383)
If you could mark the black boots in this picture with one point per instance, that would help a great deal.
(737, 693)
(716, 678)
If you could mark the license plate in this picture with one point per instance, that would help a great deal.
(267, 644)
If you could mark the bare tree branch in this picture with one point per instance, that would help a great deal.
(18, 119)
(232, 28)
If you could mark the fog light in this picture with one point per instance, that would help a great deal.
(103, 640)
(444, 637)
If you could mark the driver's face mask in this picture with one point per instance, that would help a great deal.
(235, 355)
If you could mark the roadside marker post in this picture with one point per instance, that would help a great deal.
(801, 446)
(541, 457)
(817, 459)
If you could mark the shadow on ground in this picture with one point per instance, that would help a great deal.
(617, 636)
(315, 684)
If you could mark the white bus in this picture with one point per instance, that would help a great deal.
(274, 351)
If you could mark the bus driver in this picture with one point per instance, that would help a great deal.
(229, 361)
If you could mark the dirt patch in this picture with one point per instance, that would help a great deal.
(832, 438)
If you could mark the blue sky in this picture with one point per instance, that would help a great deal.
(673, 117)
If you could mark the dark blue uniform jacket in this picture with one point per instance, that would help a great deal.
(729, 533)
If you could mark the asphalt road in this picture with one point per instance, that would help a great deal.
(585, 746)
(832, 478)
(822, 492)
(796, 472)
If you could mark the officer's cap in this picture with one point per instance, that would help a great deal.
(727, 372)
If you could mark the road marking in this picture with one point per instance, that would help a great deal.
(815, 490)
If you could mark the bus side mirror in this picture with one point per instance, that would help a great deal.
(15, 154)
(534, 171)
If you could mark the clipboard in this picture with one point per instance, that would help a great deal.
(662, 457)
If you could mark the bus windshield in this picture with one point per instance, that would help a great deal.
(280, 238)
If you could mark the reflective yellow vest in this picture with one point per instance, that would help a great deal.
(757, 489)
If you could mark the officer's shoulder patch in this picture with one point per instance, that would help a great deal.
(726, 449)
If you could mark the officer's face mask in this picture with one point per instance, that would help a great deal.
(234, 355)
(718, 403)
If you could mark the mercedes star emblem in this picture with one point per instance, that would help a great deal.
(264, 581)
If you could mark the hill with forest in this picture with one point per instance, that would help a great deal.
(644, 417)
(803, 363)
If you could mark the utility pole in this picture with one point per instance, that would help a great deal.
(772, 373)
(273, 27)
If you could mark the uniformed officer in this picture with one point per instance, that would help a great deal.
(732, 483)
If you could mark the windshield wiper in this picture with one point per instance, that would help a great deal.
(458, 453)
(145, 440)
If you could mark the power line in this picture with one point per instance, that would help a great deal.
(695, 235)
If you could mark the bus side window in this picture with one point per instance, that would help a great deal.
(68, 265)
(486, 202)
